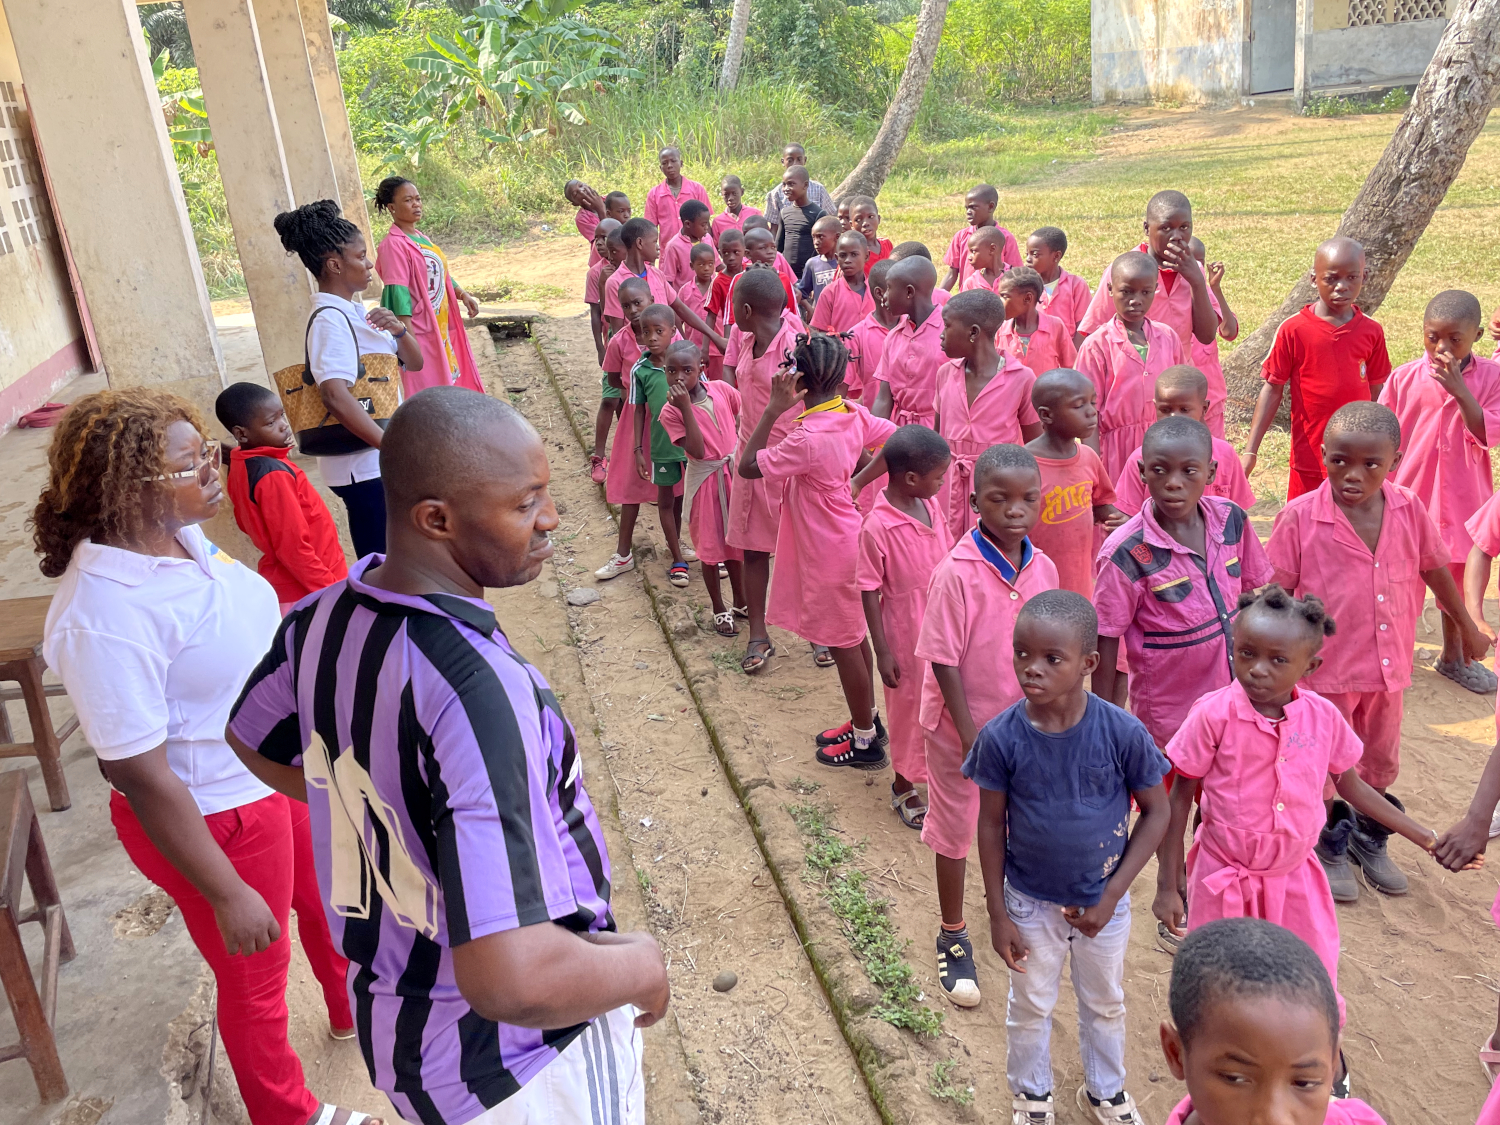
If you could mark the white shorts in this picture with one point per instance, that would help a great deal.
(595, 1081)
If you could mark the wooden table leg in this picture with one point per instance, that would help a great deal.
(44, 890)
(43, 737)
(37, 1042)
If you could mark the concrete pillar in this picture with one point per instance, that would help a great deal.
(117, 192)
(309, 163)
(1301, 36)
(325, 72)
(252, 165)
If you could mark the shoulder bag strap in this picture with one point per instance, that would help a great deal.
(307, 375)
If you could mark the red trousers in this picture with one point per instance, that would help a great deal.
(269, 844)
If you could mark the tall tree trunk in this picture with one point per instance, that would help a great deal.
(871, 172)
(734, 51)
(1406, 185)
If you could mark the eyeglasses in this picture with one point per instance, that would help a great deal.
(205, 472)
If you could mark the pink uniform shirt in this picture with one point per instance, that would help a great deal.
(697, 300)
(909, 363)
(977, 280)
(957, 256)
(1070, 490)
(1229, 480)
(999, 410)
(755, 505)
(622, 484)
(1174, 609)
(866, 343)
(1374, 597)
(725, 219)
(897, 555)
(621, 353)
(676, 259)
(587, 223)
(1126, 385)
(1051, 345)
(813, 590)
(1205, 357)
(1484, 527)
(971, 614)
(706, 498)
(1444, 463)
(1350, 1111)
(662, 206)
(662, 291)
(840, 308)
(1068, 299)
(1262, 805)
(1173, 307)
(593, 283)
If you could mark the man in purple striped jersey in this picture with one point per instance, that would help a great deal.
(460, 860)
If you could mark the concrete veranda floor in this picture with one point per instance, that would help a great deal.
(132, 1009)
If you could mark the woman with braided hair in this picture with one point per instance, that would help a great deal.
(333, 251)
(153, 630)
(813, 592)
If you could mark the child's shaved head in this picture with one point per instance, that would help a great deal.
(1182, 378)
(1070, 608)
(911, 250)
(987, 236)
(700, 251)
(848, 238)
(797, 173)
(1061, 382)
(635, 230)
(880, 272)
(828, 224)
(1003, 458)
(1339, 250)
(634, 286)
(729, 236)
(1178, 430)
(1052, 238)
(607, 226)
(915, 449)
(985, 193)
(762, 290)
(758, 236)
(867, 201)
(1167, 203)
(976, 306)
(658, 314)
(1455, 306)
(755, 222)
(1365, 417)
(731, 180)
(916, 272)
(1133, 264)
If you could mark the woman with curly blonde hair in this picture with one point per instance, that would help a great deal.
(153, 630)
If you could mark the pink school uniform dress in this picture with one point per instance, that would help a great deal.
(1125, 384)
(866, 344)
(663, 292)
(708, 483)
(696, 300)
(840, 308)
(1229, 481)
(726, 219)
(957, 255)
(972, 603)
(1375, 599)
(1205, 357)
(662, 206)
(909, 362)
(1067, 298)
(1443, 462)
(1071, 488)
(897, 555)
(1262, 805)
(813, 591)
(677, 259)
(1175, 610)
(1173, 307)
(999, 410)
(622, 484)
(1050, 346)
(755, 505)
(977, 280)
(1350, 1111)
(587, 223)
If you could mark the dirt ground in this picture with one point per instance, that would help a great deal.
(721, 860)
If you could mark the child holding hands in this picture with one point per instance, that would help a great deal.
(1057, 772)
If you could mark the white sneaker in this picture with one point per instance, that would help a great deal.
(1028, 1111)
(1120, 1111)
(688, 554)
(616, 566)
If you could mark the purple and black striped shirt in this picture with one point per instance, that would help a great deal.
(446, 801)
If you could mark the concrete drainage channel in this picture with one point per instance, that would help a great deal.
(866, 1054)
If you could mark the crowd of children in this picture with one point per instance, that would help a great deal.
(1010, 500)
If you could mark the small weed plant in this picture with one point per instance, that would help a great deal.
(863, 917)
(943, 1087)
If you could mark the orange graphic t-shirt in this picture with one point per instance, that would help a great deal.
(1065, 530)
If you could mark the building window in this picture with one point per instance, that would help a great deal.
(1364, 13)
(1419, 10)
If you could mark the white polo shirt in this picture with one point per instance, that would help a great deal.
(155, 650)
(333, 353)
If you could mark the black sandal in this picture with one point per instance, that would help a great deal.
(753, 662)
(902, 803)
(822, 657)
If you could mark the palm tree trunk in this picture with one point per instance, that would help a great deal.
(1423, 158)
(734, 51)
(871, 172)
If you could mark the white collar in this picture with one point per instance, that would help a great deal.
(131, 568)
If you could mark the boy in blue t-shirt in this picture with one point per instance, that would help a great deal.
(1056, 773)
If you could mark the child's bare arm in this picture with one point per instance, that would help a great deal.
(1266, 407)
(883, 401)
(872, 471)
(1004, 937)
(614, 323)
(692, 440)
(1449, 372)
(1476, 581)
(1229, 324)
(696, 323)
(1030, 431)
(1445, 590)
(1458, 847)
(1149, 831)
(1171, 872)
(1362, 798)
(642, 466)
(1205, 322)
(615, 379)
(885, 660)
(1110, 516)
(951, 280)
(784, 395)
(951, 684)
(596, 326)
(1103, 679)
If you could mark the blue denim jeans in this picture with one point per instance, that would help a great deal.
(1098, 971)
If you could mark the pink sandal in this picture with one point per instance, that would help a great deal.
(1489, 1059)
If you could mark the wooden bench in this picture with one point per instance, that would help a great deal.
(23, 858)
(21, 621)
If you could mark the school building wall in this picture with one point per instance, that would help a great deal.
(41, 339)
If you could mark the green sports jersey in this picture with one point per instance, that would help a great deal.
(648, 388)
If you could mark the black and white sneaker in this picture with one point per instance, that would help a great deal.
(1342, 1089)
(837, 736)
(955, 962)
(871, 757)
